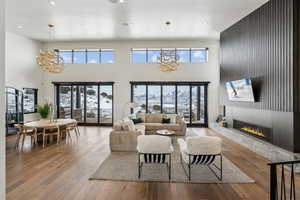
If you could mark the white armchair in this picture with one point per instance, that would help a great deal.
(201, 150)
(154, 149)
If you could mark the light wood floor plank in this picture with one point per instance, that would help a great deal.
(61, 172)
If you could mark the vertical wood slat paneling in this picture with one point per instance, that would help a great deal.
(261, 46)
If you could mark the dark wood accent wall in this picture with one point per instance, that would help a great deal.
(262, 46)
(265, 46)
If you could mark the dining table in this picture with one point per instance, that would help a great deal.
(46, 123)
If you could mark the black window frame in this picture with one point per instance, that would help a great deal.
(176, 83)
(35, 90)
(132, 50)
(86, 55)
(57, 86)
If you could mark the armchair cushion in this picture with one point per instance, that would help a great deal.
(202, 145)
(154, 118)
(154, 144)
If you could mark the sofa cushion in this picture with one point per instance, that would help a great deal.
(179, 119)
(128, 125)
(118, 126)
(173, 127)
(153, 126)
(154, 118)
(140, 128)
(141, 116)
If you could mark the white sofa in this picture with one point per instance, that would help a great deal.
(124, 137)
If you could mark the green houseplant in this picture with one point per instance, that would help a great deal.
(44, 110)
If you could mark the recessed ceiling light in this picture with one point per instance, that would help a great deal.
(20, 27)
(121, 1)
(52, 3)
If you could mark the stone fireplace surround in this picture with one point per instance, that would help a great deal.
(263, 148)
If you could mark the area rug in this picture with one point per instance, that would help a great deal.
(123, 166)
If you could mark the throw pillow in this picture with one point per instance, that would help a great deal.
(137, 121)
(172, 118)
(131, 125)
(166, 120)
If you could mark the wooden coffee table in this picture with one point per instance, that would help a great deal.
(168, 133)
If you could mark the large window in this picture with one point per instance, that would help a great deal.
(88, 103)
(30, 100)
(87, 56)
(154, 99)
(139, 97)
(188, 99)
(183, 55)
(169, 99)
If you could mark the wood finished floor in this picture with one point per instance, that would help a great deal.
(61, 172)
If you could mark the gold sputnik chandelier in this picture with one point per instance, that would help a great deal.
(50, 61)
(168, 61)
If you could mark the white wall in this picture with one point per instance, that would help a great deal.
(21, 68)
(122, 71)
(2, 101)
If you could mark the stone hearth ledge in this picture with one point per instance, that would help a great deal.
(265, 149)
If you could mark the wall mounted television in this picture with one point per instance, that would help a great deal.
(240, 90)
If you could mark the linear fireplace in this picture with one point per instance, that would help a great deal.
(253, 130)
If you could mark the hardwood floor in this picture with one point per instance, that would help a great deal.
(61, 172)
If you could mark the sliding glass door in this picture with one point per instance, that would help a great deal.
(106, 104)
(65, 101)
(92, 104)
(88, 103)
(154, 101)
(187, 99)
(183, 102)
(169, 99)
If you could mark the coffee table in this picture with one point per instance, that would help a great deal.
(167, 133)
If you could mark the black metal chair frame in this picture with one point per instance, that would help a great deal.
(203, 161)
(158, 161)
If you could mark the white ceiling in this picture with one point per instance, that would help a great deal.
(102, 20)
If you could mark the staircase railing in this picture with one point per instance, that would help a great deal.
(274, 191)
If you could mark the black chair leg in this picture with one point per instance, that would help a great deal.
(190, 172)
(169, 167)
(139, 166)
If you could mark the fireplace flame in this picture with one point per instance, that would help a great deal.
(254, 131)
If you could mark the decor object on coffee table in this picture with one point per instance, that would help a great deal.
(201, 150)
(168, 133)
(154, 149)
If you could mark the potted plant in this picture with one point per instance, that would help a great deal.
(44, 110)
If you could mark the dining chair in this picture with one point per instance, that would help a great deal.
(23, 131)
(72, 127)
(51, 130)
